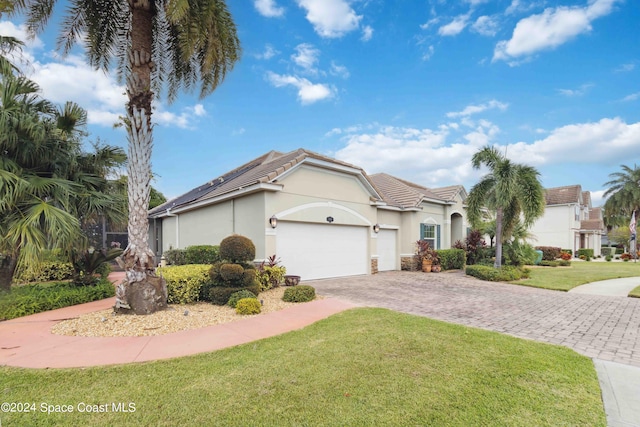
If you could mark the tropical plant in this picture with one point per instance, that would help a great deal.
(48, 185)
(87, 263)
(623, 196)
(163, 43)
(511, 190)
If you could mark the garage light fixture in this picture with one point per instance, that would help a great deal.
(376, 228)
(329, 219)
(273, 221)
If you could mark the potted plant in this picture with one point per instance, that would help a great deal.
(425, 255)
(435, 262)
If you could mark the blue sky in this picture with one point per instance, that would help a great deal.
(408, 88)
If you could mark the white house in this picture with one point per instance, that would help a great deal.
(569, 221)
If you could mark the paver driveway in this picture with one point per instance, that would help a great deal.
(603, 327)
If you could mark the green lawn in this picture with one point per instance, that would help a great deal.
(579, 273)
(358, 368)
(635, 292)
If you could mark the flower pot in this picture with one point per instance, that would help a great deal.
(436, 268)
(426, 266)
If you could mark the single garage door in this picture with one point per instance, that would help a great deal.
(386, 250)
(318, 251)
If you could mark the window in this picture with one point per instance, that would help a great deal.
(431, 233)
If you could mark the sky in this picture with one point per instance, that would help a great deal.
(410, 88)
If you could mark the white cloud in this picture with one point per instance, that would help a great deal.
(475, 109)
(429, 23)
(330, 18)
(367, 33)
(632, 97)
(306, 57)
(339, 70)
(609, 140)
(625, 68)
(550, 29)
(238, 132)
(428, 54)
(269, 52)
(576, 92)
(597, 198)
(9, 29)
(308, 92)
(486, 26)
(268, 8)
(455, 27)
(183, 120)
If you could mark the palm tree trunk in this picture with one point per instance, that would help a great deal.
(7, 270)
(142, 292)
(498, 261)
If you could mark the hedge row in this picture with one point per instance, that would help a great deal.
(198, 254)
(452, 259)
(31, 299)
(506, 273)
(184, 282)
(549, 253)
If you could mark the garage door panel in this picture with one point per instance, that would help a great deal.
(315, 251)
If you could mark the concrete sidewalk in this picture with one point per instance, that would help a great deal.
(613, 287)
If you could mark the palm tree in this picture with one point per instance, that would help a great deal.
(44, 189)
(623, 196)
(156, 43)
(512, 190)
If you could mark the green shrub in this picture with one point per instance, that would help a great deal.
(237, 296)
(237, 249)
(588, 253)
(519, 253)
(505, 274)
(248, 306)
(46, 271)
(184, 282)
(452, 259)
(569, 251)
(220, 295)
(175, 256)
(299, 293)
(608, 258)
(607, 251)
(270, 276)
(231, 273)
(564, 263)
(619, 251)
(549, 253)
(546, 263)
(202, 254)
(249, 278)
(31, 299)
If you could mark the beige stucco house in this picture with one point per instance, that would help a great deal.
(320, 216)
(569, 221)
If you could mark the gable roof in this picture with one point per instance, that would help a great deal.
(405, 194)
(563, 195)
(258, 174)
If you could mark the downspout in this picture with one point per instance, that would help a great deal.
(177, 226)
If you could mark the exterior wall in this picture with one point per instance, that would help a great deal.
(311, 195)
(557, 227)
(169, 235)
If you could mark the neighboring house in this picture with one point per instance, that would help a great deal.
(320, 216)
(569, 221)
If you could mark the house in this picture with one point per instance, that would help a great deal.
(569, 221)
(320, 216)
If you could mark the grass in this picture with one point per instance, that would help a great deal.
(565, 278)
(361, 367)
(635, 292)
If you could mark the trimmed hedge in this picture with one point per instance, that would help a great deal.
(549, 253)
(237, 296)
(202, 254)
(248, 306)
(299, 293)
(607, 251)
(505, 274)
(32, 299)
(220, 295)
(452, 259)
(175, 256)
(184, 282)
(46, 271)
(588, 253)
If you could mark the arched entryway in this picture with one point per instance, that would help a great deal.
(457, 228)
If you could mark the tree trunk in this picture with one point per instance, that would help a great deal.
(498, 261)
(7, 270)
(142, 292)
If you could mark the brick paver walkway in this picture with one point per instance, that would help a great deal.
(603, 327)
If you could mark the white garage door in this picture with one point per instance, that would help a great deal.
(318, 251)
(386, 250)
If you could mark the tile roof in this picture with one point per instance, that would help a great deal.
(563, 195)
(595, 213)
(404, 194)
(264, 169)
(586, 198)
(592, 225)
